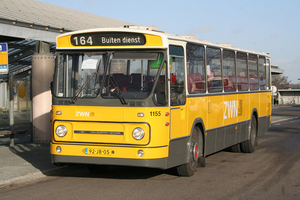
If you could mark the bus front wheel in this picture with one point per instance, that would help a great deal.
(195, 154)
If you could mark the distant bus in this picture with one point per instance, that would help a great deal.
(135, 96)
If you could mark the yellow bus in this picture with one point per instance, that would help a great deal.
(136, 96)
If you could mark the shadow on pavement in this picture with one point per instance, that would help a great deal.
(122, 172)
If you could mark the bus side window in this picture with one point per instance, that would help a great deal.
(177, 75)
(213, 69)
(229, 70)
(268, 75)
(160, 89)
(177, 82)
(253, 71)
(262, 73)
(195, 68)
(242, 71)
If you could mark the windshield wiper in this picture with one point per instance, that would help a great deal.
(111, 79)
(75, 97)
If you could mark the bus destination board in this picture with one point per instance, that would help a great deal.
(108, 39)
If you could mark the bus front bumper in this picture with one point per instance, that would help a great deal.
(155, 157)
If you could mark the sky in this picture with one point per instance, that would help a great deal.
(260, 25)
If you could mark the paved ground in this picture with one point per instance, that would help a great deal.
(27, 161)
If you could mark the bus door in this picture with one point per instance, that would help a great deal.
(178, 97)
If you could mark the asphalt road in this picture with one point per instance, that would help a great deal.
(271, 172)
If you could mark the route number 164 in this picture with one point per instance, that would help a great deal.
(83, 40)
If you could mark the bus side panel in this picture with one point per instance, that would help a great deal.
(243, 131)
(180, 133)
(262, 125)
(230, 109)
(263, 98)
(264, 113)
(231, 137)
(269, 106)
(177, 152)
(178, 122)
(244, 116)
(244, 112)
(254, 103)
(215, 118)
(215, 112)
(197, 109)
(210, 145)
(254, 107)
(230, 116)
(227, 118)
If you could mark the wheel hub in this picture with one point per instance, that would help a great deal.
(195, 152)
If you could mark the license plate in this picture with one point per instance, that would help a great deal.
(98, 151)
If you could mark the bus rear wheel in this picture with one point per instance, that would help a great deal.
(195, 154)
(249, 145)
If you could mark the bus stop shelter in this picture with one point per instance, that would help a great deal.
(29, 28)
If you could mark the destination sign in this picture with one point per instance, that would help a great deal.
(108, 39)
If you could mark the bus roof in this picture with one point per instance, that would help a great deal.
(155, 39)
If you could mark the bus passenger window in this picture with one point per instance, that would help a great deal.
(242, 72)
(268, 74)
(253, 73)
(213, 70)
(195, 68)
(262, 73)
(229, 70)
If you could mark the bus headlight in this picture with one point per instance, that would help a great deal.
(61, 131)
(138, 133)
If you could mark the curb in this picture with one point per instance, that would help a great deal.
(284, 120)
(36, 175)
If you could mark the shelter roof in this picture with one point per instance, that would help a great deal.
(44, 14)
(22, 22)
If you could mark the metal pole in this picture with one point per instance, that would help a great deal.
(18, 101)
(11, 108)
(31, 107)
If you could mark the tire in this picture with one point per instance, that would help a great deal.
(235, 148)
(249, 145)
(195, 146)
(97, 169)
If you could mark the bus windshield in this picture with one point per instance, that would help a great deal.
(109, 75)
